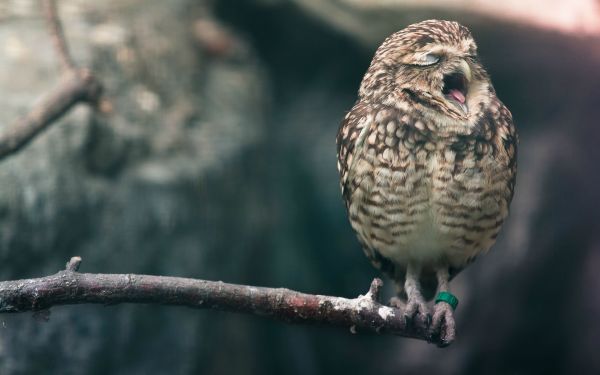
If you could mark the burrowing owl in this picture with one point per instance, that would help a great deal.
(427, 159)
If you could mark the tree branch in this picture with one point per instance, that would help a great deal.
(58, 36)
(361, 314)
(77, 86)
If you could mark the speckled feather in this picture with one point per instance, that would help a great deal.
(422, 181)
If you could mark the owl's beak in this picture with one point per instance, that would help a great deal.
(466, 70)
(456, 86)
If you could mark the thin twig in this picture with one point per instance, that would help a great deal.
(57, 35)
(361, 314)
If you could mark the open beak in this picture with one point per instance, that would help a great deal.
(456, 86)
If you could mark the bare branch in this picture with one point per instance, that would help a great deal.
(361, 314)
(78, 86)
(58, 36)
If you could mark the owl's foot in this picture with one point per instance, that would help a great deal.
(443, 327)
(397, 303)
(416, 314)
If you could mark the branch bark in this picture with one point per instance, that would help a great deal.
(68, 287)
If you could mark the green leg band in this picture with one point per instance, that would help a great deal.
(447, 297)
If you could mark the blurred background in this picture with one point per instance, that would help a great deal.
(218, 162)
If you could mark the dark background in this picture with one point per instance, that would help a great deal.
(218, 162)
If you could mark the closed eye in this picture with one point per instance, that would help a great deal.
(428, 59)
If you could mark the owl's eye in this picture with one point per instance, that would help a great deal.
(428, 59)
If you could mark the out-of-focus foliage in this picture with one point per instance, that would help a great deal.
(218, 162)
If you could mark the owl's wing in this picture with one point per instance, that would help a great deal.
(350, 141)
(506, 141)
(350, 138)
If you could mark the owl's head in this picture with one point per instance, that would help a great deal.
(432, 66)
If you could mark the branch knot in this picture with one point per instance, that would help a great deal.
(73, 264)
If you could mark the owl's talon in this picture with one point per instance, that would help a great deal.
(397, 303)
(443, 327)
(416, 314)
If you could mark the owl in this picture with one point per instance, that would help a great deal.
(427, 163)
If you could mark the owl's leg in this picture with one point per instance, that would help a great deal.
(443, 325)
(415, 308)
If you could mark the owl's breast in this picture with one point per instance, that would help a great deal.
(417, 199)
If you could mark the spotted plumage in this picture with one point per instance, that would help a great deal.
(427, 160)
